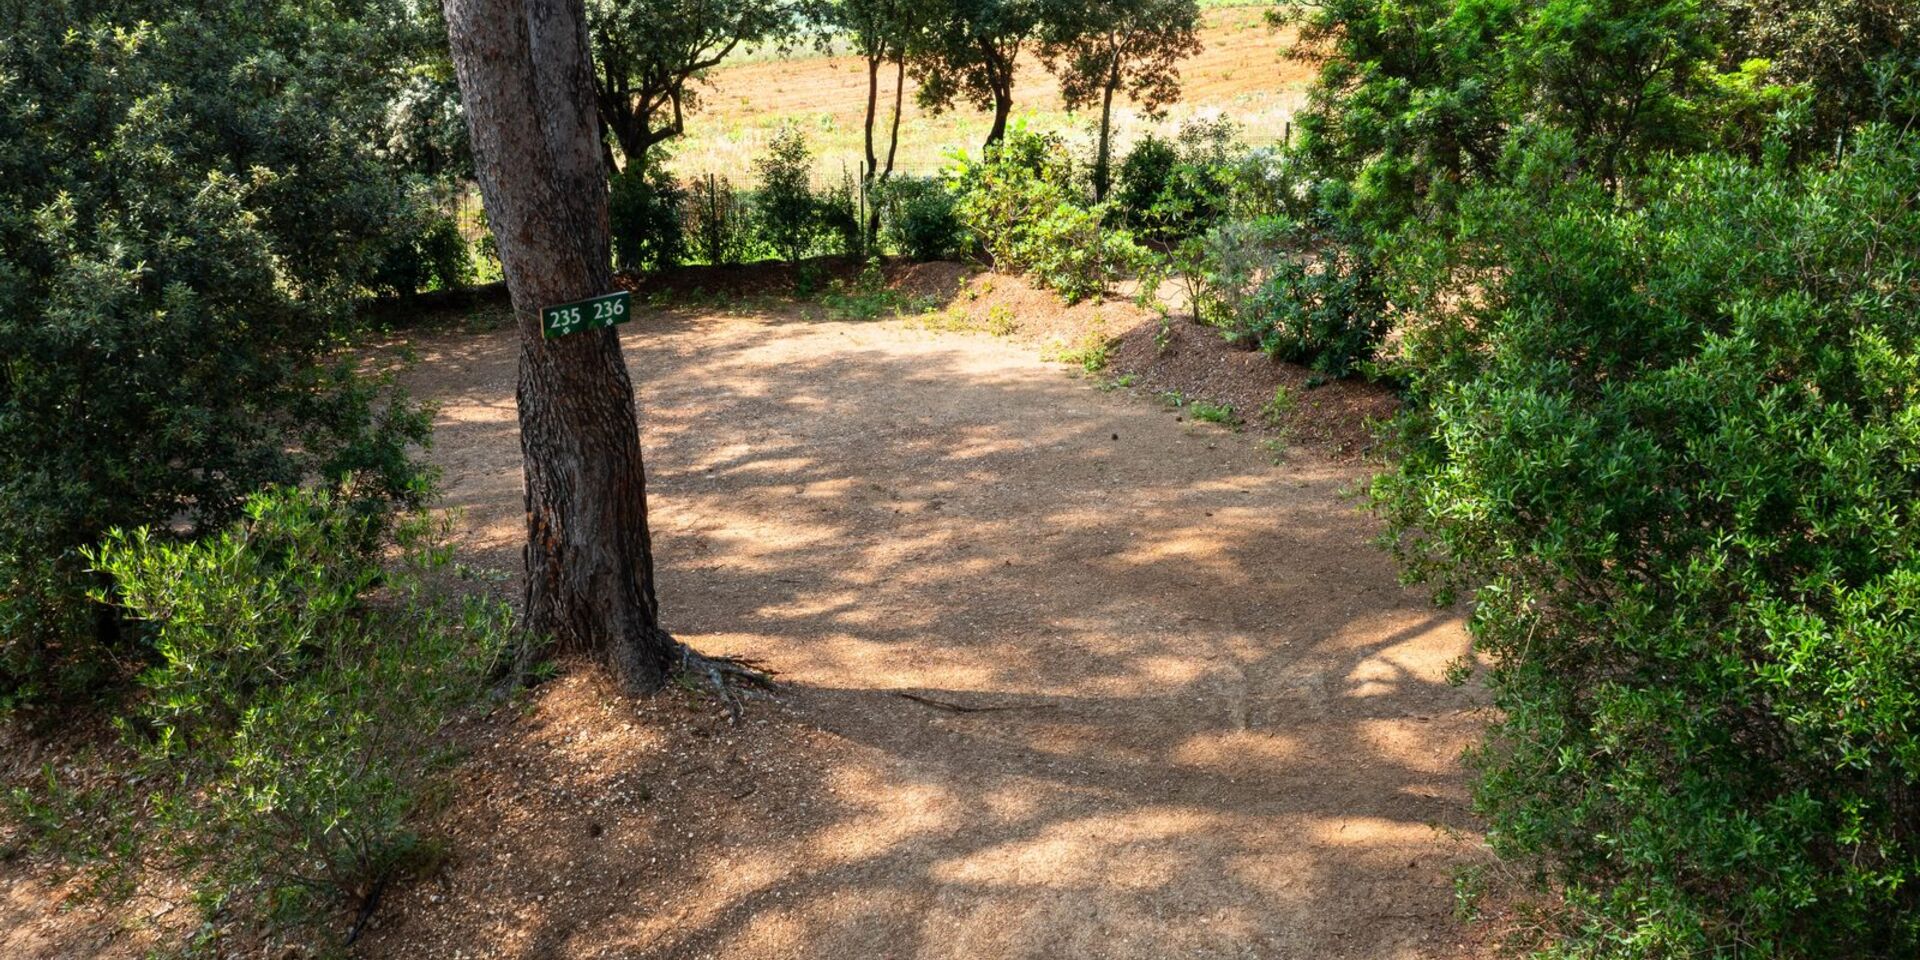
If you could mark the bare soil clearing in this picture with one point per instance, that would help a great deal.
(1164, 699)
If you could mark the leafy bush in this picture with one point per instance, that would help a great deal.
(1418, 100)
(718, 221)
(1322, 305)
(1173, 191)
(1021, 207)
(1669, 450)
(433, 256)
(842, 218)
(785, 210)
(1841, 49)
(288, 727)
(644, 211)
(1020, 180)
(918, 217)
(1071, 251)
(182, 236)
(1144, 172)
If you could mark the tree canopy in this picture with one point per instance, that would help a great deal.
(649, 54)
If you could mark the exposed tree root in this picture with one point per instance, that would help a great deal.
(964, 708)
(727, 677)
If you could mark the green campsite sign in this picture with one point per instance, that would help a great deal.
(604, 310)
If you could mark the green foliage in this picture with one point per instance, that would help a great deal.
(189, 203)
(1666, 442)
(431, 256)
(1072, 251)
(1275, 411)
(967, 51)
(1209, 412)
(717, 221)
(1020, 204)
(869, 298)
(1307, 291)
(785, 211)
(1419, 99)
(842, 218)
(1098, 49)
(1322, 305)
(287, 731)
(647, 55)
(1091, 352)
(1175, 191)
(1836, 55)
(644, 209)
(1144, 173)
(919, 218)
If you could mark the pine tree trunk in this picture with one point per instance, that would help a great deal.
(526, 81)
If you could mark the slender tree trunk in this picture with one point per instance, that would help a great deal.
(526, 81)
(1102, 161)
(868, 174)
(899, 97)
(1002, 106)
(606, 150)
(893, 147)
(873, 114)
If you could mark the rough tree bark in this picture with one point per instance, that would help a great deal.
(527, 84)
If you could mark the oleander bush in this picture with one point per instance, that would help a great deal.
(1022, 206)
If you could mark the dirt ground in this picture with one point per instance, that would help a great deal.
(1063, 677)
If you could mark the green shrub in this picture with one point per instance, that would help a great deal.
(1144, 173)
(1020, 205)
(644, 210)
(1322, 306)
(785, 210)
(918, 218)
(1669, 449)
(1071, 251)
(288, 728)
(1303, 292)
(1171, 191)
(718, 221)
(842, 218)
(182, 239)
(434, 256)
(1019, 181)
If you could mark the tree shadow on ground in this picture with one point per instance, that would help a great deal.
(1064, 677)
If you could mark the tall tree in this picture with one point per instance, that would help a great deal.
(527, 82)
(970, 52)
(880, 31)
(1103, 47)
(648, 53)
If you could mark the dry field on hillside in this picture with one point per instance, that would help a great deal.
(1241, 73)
